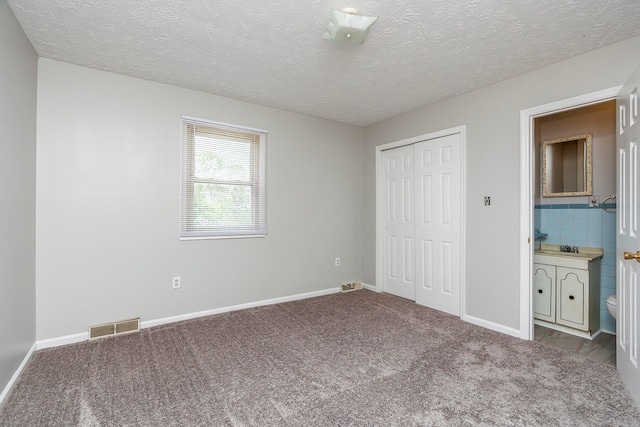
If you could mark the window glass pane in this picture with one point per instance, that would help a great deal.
(221, 205)
(222, 160)
(223, 190)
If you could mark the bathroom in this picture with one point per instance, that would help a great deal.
(583, 221)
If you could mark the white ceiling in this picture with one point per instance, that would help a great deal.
(272, 52)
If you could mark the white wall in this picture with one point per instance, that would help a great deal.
(492, 116)
(18, 71)
(108, 204)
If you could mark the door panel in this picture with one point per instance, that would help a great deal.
(438, 195)
(628, 334)
(426, 264)
(407, 255)
(399, 267)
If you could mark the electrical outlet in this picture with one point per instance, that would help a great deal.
(337, 262)
(176, 282)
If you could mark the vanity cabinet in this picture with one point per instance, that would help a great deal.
(566, 291)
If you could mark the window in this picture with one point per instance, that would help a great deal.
(223, 180)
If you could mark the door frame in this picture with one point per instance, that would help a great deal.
(526, 192)
(462, 130)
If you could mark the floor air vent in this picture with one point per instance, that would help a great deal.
(115, 328)
(350, 286)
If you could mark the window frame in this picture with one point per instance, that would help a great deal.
(257, 138)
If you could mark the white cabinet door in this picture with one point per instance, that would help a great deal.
(544, 292)
(572, 298)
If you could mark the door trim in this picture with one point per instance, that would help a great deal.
(526, 192)
(462, 130)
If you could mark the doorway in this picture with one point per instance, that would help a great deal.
(576, 220)
(530, 190)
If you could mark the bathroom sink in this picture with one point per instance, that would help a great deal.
(560, 253)
(585, 253)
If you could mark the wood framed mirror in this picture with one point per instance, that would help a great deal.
(567, 167)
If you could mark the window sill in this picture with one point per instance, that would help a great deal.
(237, 236)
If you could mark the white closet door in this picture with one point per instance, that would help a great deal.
(438, 223)
(397, 176)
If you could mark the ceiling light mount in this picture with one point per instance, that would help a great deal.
(348, 26)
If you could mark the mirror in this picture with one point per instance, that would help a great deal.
(566, 167)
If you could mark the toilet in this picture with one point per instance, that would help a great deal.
(612, 306)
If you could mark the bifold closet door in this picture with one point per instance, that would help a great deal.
(438, 223)
(397, 175)
(423, 222)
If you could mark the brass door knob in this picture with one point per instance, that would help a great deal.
(629, 255)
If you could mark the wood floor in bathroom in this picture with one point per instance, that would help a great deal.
(601, 349)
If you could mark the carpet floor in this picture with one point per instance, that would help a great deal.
(354, 359)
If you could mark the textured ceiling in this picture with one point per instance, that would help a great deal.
(272, 52)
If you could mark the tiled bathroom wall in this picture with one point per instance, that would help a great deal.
(579, 225)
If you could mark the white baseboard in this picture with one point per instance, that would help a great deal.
(188, 316)
(16, 375)
(75, 338)
(369, 287)
(493, 326)
(64, 340)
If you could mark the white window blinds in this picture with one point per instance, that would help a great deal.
(223, 180)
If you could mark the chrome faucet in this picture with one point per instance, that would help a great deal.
(567, 248)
